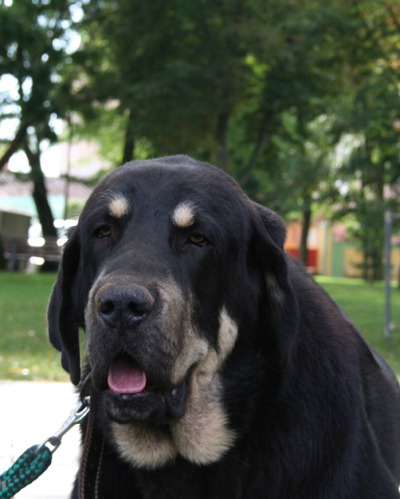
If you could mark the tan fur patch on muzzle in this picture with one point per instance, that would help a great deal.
(202, 435)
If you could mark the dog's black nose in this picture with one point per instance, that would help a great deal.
(123, 305)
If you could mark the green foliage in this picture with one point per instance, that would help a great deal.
(266, 91)
(175, 69)
(368, 231)
(33, 43)
(179, 67)
(370, 111)
(272, 88)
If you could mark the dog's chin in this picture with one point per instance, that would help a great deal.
(146, 406)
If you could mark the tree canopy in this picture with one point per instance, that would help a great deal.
(33, 45)
(270, 92)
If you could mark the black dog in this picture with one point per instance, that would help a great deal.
(219, 368)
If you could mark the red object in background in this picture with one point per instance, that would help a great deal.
(311, 258)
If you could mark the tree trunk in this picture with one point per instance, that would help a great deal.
(129, 144)
(259, 147)
(40, 194)
(222, 135)
(43, 209)
(303, 250)
(3, 263)
(14, 145)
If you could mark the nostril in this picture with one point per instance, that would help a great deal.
(107, 311)
(107, 307)
(136, 311)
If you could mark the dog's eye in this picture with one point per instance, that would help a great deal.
(198, 240)
(103, 231)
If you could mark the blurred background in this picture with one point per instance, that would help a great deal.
(298, 100)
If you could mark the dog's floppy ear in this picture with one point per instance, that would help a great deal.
(281, 315)
(62, 313)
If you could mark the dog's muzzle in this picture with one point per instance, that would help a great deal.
(123, 311)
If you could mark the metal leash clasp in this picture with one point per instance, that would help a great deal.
(75, 417)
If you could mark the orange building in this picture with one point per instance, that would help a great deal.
(318, 245)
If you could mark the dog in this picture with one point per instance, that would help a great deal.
(218, 368)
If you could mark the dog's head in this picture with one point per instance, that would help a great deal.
(177, 279)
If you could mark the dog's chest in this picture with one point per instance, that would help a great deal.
(185, 481)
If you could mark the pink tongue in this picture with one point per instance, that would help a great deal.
(125, 376)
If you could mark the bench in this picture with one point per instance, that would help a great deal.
(17, 249)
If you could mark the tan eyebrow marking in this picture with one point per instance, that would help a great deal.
(118, 206)
(183, 215)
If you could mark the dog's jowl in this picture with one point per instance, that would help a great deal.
(218, 368)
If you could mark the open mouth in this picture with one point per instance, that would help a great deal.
(126, 376)
(132, 398)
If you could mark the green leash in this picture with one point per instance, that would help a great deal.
(35, 461)
(29, 466)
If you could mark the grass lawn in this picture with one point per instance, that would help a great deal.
(364, 304)
(25, 352)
